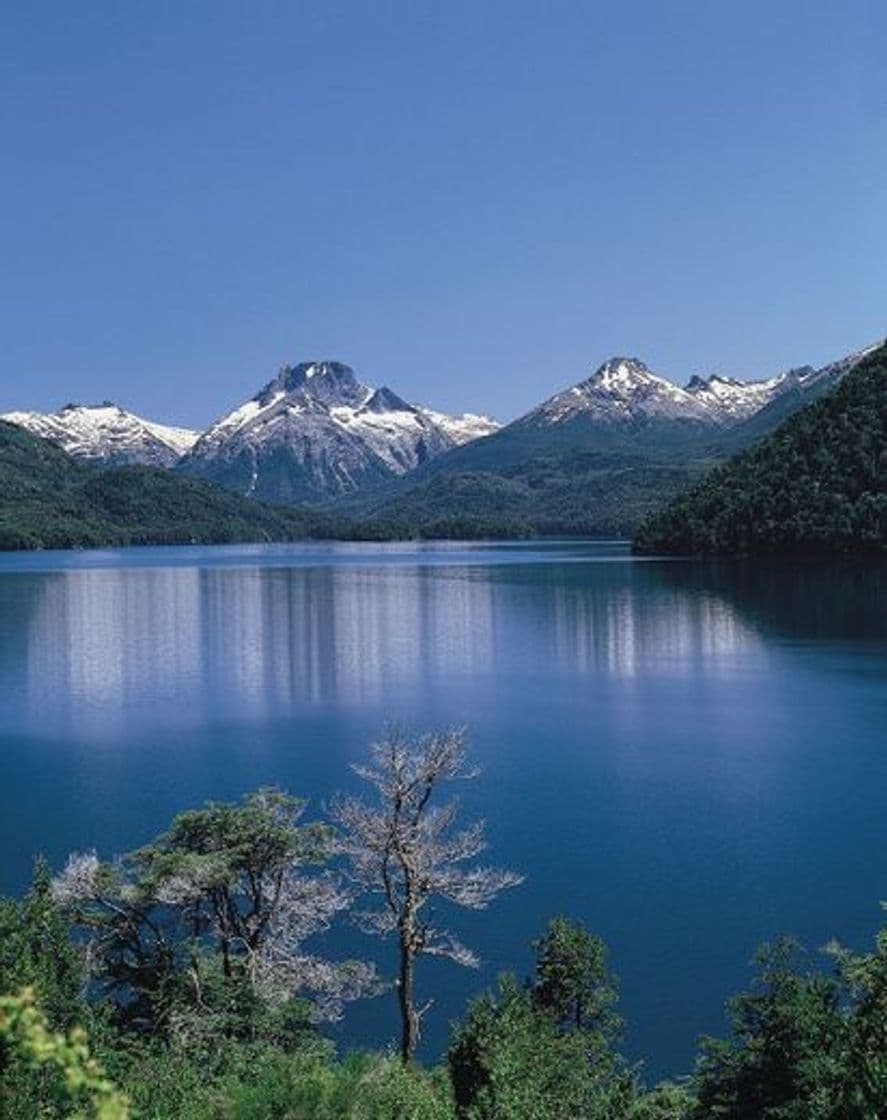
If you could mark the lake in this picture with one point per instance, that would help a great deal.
(689, 756)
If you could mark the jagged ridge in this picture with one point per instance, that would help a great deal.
(316, 430)
(108, 434)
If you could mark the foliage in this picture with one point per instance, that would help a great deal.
(667, 1101)
(804, 1045)
(572, 982)
(545, 1048)
(579, 493)
(203, 929)
(865, 1060)
(80, 1083)
(265, 1084)
(818, 484)
(510, 1060)
(36, 953)
(49, 500)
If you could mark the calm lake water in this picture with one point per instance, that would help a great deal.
(690, 757)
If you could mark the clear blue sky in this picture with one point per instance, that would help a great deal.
(471, 201)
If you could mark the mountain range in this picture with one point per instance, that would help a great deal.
(107, 434)
(315, 431)
(596, 457)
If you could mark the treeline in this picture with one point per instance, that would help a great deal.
(576, 493)
(49, 500)
(818, 484)
(186, 981)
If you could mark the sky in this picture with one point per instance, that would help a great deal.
(475, 202)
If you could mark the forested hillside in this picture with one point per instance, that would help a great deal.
(818, 484)
(576, 493)
(47, 500)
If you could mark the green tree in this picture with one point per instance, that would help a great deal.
(36, 951)
(213, 915)
(510, 1060)
(667, 1101)
(865, 1063)
(546, 1048)
(572, 982)
(785, 1059)
(36, 955)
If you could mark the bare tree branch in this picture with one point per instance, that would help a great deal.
(403, 850)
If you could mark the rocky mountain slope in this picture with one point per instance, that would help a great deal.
(108, 434)
(317, 431)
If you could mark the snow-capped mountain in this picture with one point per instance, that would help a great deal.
(729, 401)
(462, 429)
(108, 434)
(624, 392)
(317, 431)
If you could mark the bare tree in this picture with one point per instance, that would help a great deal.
(405, 850)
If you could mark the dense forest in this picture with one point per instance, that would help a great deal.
(575, 493)
(187, 981)
(49, 500)
(818, 484)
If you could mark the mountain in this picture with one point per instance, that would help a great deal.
(798, 387)
(817, 484)
(108, 434)
(597, 458)
(48, 499)
(625, 394)
(316, 431)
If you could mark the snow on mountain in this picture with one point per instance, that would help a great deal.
(462, 429)
(622, 391)
(107, 434)
(317, 431)
(625, 392)
(729, 401)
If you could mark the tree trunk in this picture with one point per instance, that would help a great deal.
(409, 1016)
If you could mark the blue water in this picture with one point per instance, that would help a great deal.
(691, 757)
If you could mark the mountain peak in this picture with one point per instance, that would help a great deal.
(316, 431)
(103, 406)
(327, 382)
(621, 373)
(298, 376)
